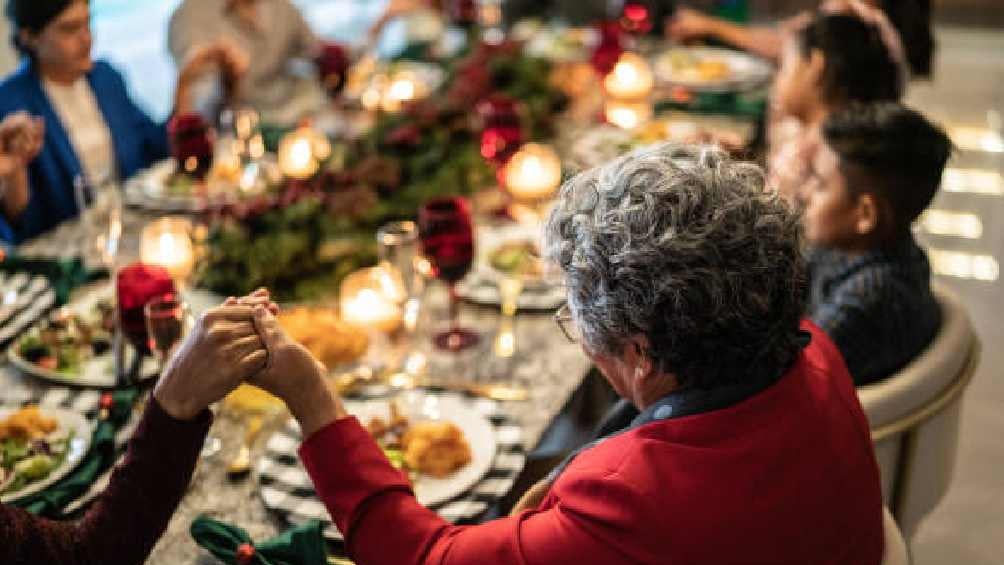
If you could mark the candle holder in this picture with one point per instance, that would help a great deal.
(630, 79)
(628, 89)
(302, 151)
(372, 299)
(167, 242)
(627, 115)
(532, 177)
(191, 141)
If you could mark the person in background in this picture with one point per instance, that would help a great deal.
(686, 287)
(910, 18)
(877, 167)
(93, 129)
(832, 60)
(222, 351)
(21, 139)
(271, 36)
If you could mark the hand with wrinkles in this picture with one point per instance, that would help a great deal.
(222, 351)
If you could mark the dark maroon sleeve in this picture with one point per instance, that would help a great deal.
(127, 520)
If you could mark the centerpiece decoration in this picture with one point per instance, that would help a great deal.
(304, 237)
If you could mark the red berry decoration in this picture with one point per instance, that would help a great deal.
(245, 554)
(107, 401)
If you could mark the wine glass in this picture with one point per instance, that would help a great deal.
(447, 233)
(168, 319)
(101, 219)
(165, 324)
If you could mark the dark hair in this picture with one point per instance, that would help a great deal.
(859, 66)
(912, 19)
(33, 16)
(898, 152)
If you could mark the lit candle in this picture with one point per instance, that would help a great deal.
(631, 78)
(301, 151)
(168, 243)
(628, 115)
(404, 87)
(534, 173)
(372, 298)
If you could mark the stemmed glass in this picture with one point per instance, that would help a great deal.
(101, 218)
(447, 233)
(166, 318)
(398, 247)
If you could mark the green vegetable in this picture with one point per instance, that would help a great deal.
(395, 456)
(35, 467)
(32, 348)
(12, 451)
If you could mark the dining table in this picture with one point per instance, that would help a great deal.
(544, 362)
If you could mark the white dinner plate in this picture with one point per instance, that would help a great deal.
(418, 406)
(745, 71)
(80, 442)
(97, 372)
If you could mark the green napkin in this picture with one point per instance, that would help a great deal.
(101, 457)
(752, 105)
(64, 274)
(303, 545)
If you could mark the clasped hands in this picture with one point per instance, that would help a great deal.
(242, 341)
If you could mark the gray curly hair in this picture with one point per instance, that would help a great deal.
(683, 245)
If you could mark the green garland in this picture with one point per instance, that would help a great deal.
(303, 239)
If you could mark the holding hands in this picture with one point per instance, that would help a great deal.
(222, 56)
(243, 341)
(21, 139)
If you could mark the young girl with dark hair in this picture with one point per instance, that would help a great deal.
(831, 61)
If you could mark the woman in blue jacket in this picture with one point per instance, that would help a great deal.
(91, 125)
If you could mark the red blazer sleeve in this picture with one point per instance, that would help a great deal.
(127, 520)
(384, 524)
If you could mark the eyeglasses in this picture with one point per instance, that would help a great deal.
(563, 317)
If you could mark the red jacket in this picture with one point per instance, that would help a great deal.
(785, 477)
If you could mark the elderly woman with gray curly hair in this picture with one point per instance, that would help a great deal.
(686, 287)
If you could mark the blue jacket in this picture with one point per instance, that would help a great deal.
(138, 142)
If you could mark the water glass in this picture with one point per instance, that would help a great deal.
(399, 246)
(101, 220)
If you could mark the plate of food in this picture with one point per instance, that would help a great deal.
(443, 444)
(74, 344)
(711, 69)
(163, 188)
(38, 447)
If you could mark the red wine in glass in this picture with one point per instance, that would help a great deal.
(165, 319)
(447, 233)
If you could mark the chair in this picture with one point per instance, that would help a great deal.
(914, 417)
(896, 552)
